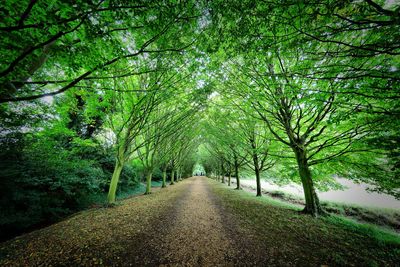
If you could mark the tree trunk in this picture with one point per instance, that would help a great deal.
(313, 206)
(164, 177)
(176, 176)
(258, 181)
(229, 179)
(172, 177)
(256, 170)
(114, 182)
(222, 174)
(237, 177)
(149, 175)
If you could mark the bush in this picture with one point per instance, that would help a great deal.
(48, 176)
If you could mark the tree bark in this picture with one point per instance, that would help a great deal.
(222, 174)
(229, 179)
(313, 206)
(257, 170)
(164, 177)
(172, 177)
(258, 181)
(114, 181)
(149, 175)
(237, 177)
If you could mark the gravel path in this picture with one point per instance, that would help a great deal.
(182, 225)
(198, 236)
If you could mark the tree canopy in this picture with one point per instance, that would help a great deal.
(98, 96)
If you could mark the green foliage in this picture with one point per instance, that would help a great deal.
(300, 91)
(51, 174)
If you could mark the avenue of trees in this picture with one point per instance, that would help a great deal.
(98, 97)
(323, 79)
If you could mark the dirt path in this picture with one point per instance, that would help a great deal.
(197, 222)
(180, 225)
(198, 236)
(198, 232)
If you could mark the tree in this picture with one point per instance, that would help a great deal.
(257, 145)
(313, 125)
(77, 36)
(163, 124)
(224, 140)
(134, 111)
(345, 43)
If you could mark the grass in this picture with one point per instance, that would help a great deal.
(372, 231)
(381, 235)
(268, 200)
(101, 199)
(387, 219)
(138, 190)
(330, 240)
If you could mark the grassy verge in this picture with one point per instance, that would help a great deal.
(388, 219)
(101, 199)
(372, 231)
(304, 240)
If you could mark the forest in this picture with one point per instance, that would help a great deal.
(103, 102)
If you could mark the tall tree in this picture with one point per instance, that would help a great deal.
(313, 125)
(134, 110)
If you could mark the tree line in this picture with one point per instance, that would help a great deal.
(98, 96)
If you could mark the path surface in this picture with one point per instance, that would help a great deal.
(196, 222)
(197, 235)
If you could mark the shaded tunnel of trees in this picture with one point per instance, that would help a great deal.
(97, 97)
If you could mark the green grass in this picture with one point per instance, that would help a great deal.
(140, 189)
(101, 199)
(381, 235)
(372, 231)
(330, 240)
(267, 199)
(387, 219)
